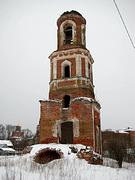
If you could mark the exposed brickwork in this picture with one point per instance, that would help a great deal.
(66, 83)
(72, 92)
(49, 113)
(52, 112)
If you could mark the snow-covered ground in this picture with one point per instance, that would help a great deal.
(68, 168)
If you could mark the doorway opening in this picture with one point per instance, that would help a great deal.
(67, 133)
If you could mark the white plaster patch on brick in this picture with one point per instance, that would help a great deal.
(86, 68)
(97, 139)
(76, 127)
(55, 100)
(55, 54)
(57, 128)
(83, 34)
(54, 83)
(93, 127)
(69, 79)
(54, 69)
(78, 66)
(96, 108)
(56, 131)
(83, 99)
(51, 71)
(88, 59)
(68, 56)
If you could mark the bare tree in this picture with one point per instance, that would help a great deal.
(27, 133)
(2, 132)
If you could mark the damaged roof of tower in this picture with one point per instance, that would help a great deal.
(71, 12)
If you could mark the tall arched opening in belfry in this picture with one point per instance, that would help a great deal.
(68, 34)
(67, 133)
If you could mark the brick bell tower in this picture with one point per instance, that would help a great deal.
(72, 114)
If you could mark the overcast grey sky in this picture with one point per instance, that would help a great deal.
(28, 36)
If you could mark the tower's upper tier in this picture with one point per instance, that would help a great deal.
(71, 30)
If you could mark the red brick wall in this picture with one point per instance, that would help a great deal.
(66, 83)
(59, 73)
(50, 111)
(81, 110)
(72, 92)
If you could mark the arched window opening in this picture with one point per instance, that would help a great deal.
(66, 101)
(68, 35)
(67, 71)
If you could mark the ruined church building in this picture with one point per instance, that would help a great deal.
(72, 114)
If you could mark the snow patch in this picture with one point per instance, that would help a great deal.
(8, 149)
(84, 99)
(64, 148)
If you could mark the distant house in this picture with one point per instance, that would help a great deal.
(17, 134)
(6, 143)
(17, 138)
(127, 134)
(124, 135)
(6, 147)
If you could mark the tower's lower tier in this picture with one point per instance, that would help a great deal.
(77, 124)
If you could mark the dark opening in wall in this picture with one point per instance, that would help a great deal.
(67, 71)
(66, 101)
(68, 35)
(46, 155)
